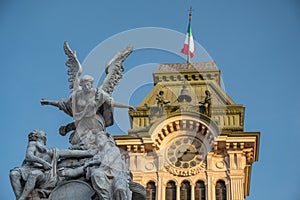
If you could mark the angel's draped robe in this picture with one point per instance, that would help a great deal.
(91, 118)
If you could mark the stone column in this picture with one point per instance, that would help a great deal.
(237, 187)
(210, 190)
(177, 191)
(192, 191)
(163, 192)
(142, 122)
(236, 174)
(160, 187)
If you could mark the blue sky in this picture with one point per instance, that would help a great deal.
(255, 43)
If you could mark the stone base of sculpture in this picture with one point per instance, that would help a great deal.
(75, 189)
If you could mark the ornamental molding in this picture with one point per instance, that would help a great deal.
(136, 148)
(244, 145)
(186, 172)
(249, 153)
(198, 125)
(199, 66)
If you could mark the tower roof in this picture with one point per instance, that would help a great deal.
(198, 78)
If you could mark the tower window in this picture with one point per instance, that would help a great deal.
(150, 191)
(200, 190)
(185, 191)
(171, 191)
(220, 190)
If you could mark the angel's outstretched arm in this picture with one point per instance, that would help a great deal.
(120, 105)
(64, 105)
(49, 102)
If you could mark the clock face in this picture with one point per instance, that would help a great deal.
(185, 152)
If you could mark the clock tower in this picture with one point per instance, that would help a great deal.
(187, 138)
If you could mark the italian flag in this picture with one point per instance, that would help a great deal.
(189, 42)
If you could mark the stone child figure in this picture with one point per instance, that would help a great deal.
(207, 103)
(161, 101)
(38, 170)
(91, 108)
(106, 170)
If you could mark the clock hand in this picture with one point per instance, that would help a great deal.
(192, 152)
(188, 152)
(183, 152)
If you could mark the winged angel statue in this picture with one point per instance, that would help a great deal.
(91, 108)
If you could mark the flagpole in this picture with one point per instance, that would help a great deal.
(190, 20)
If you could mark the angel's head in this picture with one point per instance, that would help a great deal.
(86, 82)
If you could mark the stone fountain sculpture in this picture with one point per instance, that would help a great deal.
(93, 167)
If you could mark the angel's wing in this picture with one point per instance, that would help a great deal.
(114, 70)
(74, 66)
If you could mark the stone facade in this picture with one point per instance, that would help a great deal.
(184, 153)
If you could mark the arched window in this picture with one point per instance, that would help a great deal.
(200, 190)
(171, 191)
(220, 190)
(150, 191)
(185, 191)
